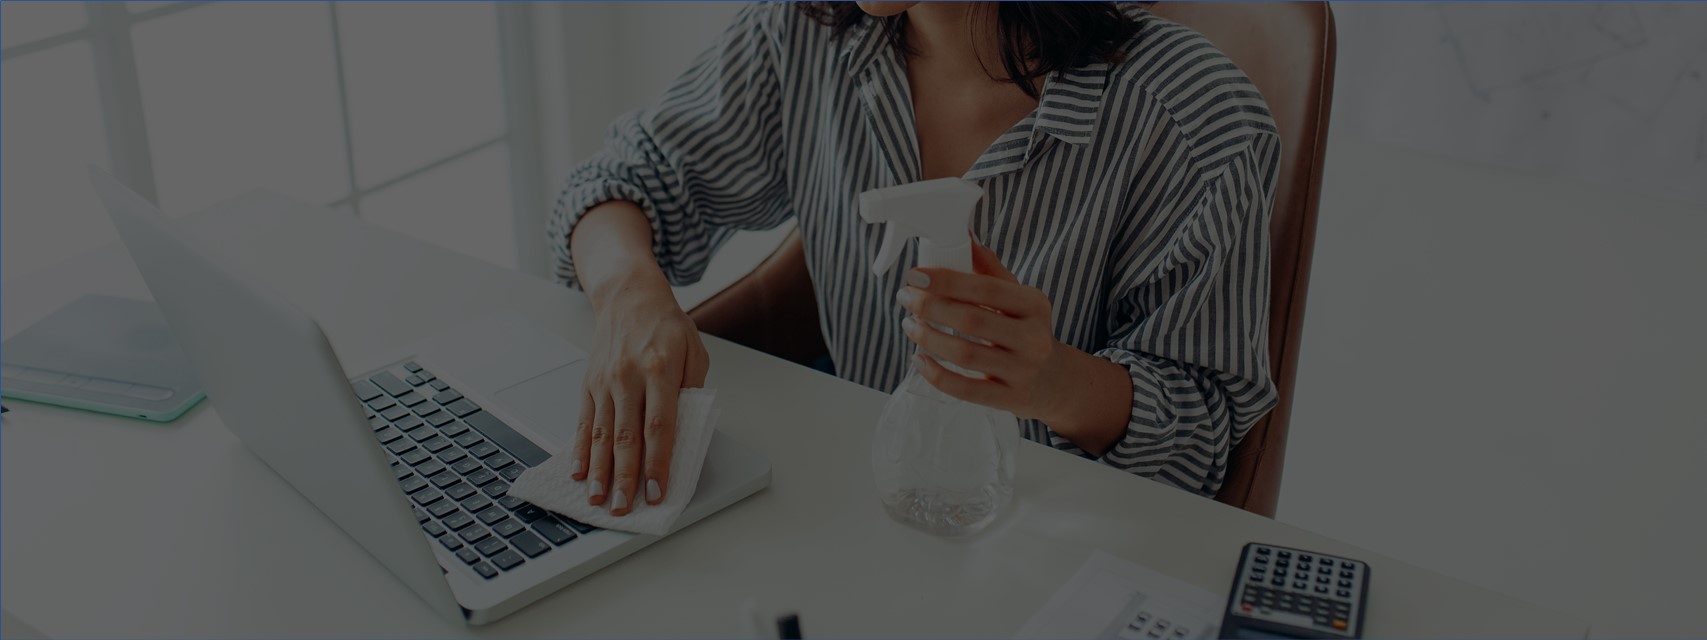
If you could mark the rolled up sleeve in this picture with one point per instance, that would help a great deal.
(702, 162)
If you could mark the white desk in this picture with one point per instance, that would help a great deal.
(114, 527)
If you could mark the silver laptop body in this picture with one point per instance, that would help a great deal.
(413, 464)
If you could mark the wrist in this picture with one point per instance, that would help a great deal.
(635, 285)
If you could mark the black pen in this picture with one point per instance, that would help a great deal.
(788, 627)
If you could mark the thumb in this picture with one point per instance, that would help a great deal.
(984, 261)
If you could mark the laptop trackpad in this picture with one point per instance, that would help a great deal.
(550, 402)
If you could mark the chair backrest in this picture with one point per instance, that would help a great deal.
(1287, 49)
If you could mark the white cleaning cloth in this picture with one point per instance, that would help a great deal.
(552, 486)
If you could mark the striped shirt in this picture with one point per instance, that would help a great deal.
(1136, 196)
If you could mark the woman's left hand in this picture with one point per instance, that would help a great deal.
(1022, 361)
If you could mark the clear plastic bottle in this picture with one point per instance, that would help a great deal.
(942, 465)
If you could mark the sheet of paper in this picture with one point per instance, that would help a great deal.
(1107, 590)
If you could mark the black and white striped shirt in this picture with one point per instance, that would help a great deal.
(1136, 197)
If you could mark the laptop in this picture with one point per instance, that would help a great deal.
(413, 459)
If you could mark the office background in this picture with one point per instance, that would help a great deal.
(1502, 365)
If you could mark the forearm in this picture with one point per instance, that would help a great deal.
(612, 249)
(1091, 400)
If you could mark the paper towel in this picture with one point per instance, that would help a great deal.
(552, 486)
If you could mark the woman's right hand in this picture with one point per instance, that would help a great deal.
(645, 351)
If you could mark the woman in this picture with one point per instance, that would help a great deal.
(1122, 266)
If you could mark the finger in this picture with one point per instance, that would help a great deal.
(990, 361)
(972, 320)
(583, 438)
(625, 451)
(1009, 297)
(983, 392)
(599, 458)
(660, 437)
(984, 261)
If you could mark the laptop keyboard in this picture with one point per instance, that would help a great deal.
(456, 462)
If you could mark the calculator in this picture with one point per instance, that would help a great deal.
(1293, 593)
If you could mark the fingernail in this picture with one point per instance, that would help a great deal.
(621, 501)
(906, 295)
(575, 467)
(908, 324)
(652, 491)
(917, 278)
(599, 486)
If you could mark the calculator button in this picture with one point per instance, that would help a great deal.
(1279, 581)
(1339, 624)
(1326, 571)
(1261, 560)
(1346, 564)
(1304, 557)
(1262, 551)
(1285, 554)
(1299, 584)
(1343, 593)
(1322, 579)
(1345, 574)
(1321, 588)
(1345, 583)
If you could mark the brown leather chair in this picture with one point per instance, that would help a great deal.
(1287, 49)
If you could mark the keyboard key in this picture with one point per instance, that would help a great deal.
(425, 497)
(452, 455)
(511, 502)
(491, 547)
(485, 570)
(492, 514)
(530, 544)
(397, 447)
(458, 520)
(376, 423)
(400, 470)
(496, 489)
(426, 375)
(553, 531)
(468, 556)
(445, 479)
(408, 422)
(512, 472)
(436, 444)
(365, 390)
(411, 367)
(508, 527)
(387, 435)
(460, 490)
(433, 529)
(413, 483)
(507, 560)
(465, 465)
(414, 457)
(394, 413)
(481, 477)
(411, 399)
(447, 396)
(577, 525)
(462, 408)
(390, 383)
(482, 450)
(432, 468)
(499, 461)
(415, 380)
(512, 442)
(438, 418)
(454, 428)
(469, 439)
(423, 433)
(476, 502)
(450, 543)
(381, 403)
(420, 516)
(474, 533)
(442, 508)
(530, 513)
(438, 385)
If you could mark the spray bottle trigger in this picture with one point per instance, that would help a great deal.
(889, 253)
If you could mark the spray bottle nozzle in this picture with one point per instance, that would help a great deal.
(938, 212)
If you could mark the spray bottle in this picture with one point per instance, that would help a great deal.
(943, 465)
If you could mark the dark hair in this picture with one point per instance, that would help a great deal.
(1035, 38)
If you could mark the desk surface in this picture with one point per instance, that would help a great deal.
(102, 513)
